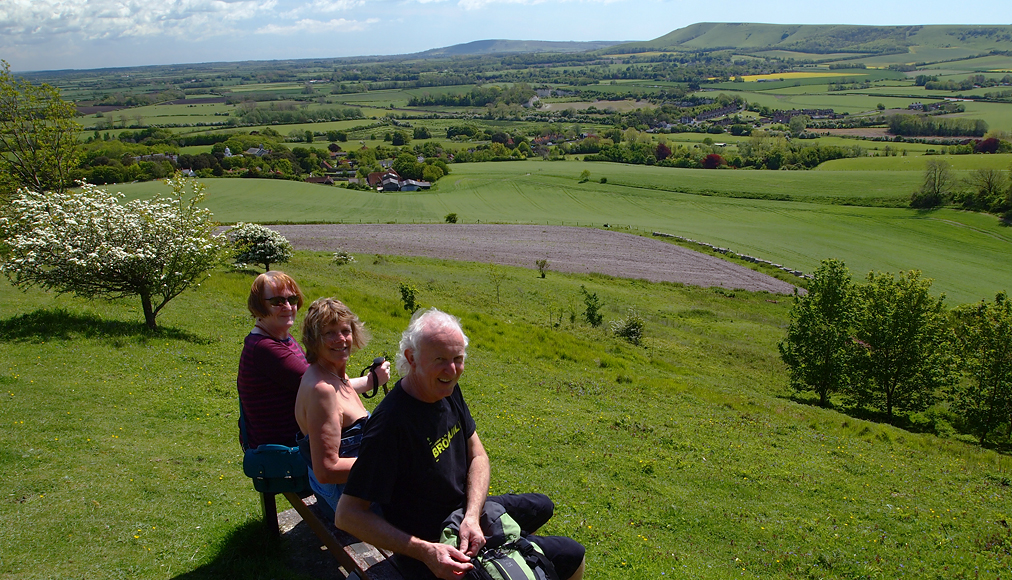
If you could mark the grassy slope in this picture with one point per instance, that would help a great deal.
(710, 35)
(966, 253)
(680, 458)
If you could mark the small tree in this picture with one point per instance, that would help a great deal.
(584, 176)
(542, 265)
(592, 307)
(984, 350)
(798, 124)
(903, 357)
(38, 136)
(986, 190)
(713, 161)
(257, 244)
(818, 348)
(90, 244)
(408, 294)
(936, 187)
(450, 218)
(496, 275)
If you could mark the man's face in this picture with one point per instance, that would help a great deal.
(437, 363)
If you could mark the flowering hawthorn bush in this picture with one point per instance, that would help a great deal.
(91, 244)
(257, 244)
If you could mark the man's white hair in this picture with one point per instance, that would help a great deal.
(422, 321)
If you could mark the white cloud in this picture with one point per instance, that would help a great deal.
(326, 6)
(314, 26)
(477, 4)
(111, 19)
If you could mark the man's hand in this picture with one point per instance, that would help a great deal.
(447, 562)
(471, 537)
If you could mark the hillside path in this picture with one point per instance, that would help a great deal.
(567, 249)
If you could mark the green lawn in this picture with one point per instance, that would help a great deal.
(965, 253)
(681, 458)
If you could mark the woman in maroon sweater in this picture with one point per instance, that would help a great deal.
(272, 363)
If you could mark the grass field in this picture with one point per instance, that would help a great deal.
(918, 162)
(965, 253)
(681, 458)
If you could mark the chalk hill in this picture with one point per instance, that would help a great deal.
(829, 38)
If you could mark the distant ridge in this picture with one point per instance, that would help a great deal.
(499, 46)
(824, 38)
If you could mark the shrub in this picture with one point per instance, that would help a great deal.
(257, 244)
(432, 173)
(542, 265)
(451, 218)
(408, 293)
(629, 328)
(342, 257)
(592, 313)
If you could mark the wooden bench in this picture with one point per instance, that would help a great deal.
(354, 555)
(276, 469)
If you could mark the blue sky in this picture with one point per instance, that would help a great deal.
(82, 34)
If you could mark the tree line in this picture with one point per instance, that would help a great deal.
(890, 346)
(477, 97)
(917, 126)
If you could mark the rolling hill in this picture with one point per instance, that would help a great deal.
(754, 37)
(500, 46)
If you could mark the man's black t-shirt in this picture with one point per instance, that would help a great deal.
(413, 461)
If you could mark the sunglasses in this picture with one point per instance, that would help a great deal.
(280, 300)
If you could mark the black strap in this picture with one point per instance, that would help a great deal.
(371, 369)
(535, 559)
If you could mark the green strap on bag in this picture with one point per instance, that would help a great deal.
(507, 555)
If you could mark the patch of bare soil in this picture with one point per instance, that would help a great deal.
(866, 132)
(567, 249)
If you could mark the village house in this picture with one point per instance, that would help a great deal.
(390, 180)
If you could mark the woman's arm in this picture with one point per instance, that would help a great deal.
(365, 384)
(322, 415)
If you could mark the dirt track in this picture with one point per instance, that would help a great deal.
(567, 249)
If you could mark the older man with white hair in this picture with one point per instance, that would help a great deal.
(421, 459)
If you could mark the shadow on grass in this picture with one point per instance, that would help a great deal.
(999, 442)
(246, 553)
(62, 324)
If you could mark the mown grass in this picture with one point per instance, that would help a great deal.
(685, 457)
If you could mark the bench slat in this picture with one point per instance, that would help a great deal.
(353, 554)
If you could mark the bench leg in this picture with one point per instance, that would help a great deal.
(270, 514)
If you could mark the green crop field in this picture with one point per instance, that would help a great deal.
(965, 253)
(685, 457)
(918, 162)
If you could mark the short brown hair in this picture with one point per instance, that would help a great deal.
(322, 313)
(258, 307)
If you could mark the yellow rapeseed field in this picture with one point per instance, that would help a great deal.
(796, 75)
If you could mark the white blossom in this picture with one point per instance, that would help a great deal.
(89, 243)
